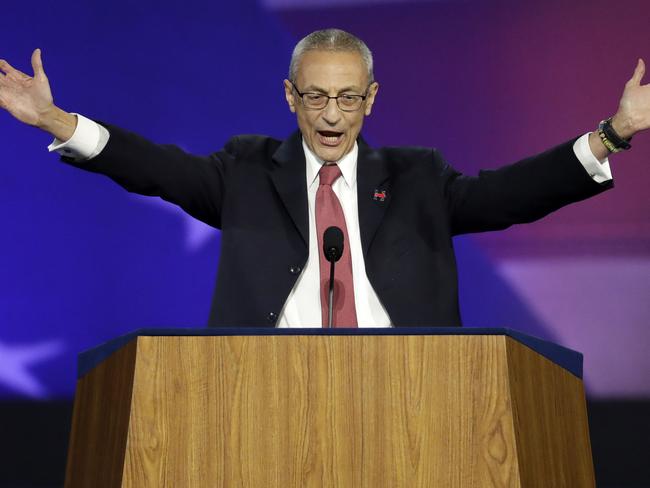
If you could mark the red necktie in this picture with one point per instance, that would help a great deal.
(329, 213)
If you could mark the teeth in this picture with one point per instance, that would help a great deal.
(329, 139)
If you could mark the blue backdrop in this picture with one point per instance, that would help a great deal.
(487, 82)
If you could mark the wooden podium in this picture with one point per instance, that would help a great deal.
(425, 407)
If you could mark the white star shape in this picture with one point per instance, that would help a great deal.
(196, 232)
(15, 361)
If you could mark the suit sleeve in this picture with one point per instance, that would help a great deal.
(195, 183)
(518, 193)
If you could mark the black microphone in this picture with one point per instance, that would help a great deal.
(333, 250)
(333, 244)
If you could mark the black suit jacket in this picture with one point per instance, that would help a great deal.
(254, 190)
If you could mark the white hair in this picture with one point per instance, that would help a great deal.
(330, 40)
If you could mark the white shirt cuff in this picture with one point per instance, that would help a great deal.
(598, 170)
(88, 140)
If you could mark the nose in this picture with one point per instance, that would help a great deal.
(331, 112)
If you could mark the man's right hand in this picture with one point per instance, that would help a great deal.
(29, 99)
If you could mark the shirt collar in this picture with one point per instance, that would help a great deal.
(347, 165)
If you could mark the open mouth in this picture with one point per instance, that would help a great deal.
(330, 138)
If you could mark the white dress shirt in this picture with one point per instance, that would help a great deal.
(303, 307)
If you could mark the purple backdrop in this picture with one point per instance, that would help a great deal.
(487, 82)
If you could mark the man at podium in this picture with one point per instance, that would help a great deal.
(395, 210)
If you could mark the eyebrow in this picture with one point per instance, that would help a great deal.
(314, 88)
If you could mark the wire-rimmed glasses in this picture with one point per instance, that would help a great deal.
(346, 102)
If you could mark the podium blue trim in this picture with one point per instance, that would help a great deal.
(566, 358)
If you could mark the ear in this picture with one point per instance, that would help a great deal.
(288, 94)
(372, 93)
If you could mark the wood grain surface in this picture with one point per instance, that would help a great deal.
(100, 422)
(549, 408)
(340, 411)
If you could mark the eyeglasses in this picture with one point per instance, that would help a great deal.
(318, 101)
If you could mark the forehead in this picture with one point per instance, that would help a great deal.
(332, 70)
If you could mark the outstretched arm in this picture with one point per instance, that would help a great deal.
(536, 186)
(195, 183)
(29, 99)
(633, 114)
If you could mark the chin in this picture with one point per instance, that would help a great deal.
(332, 155)
(330, 158)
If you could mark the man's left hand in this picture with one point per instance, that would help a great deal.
(633, 113)
(632, 116)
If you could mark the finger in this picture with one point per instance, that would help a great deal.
(10, 72)
(37, 64)
(639, 71)
(6, 67)
(642, 63)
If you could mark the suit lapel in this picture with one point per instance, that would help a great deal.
(373, 192)
(373, 187)
(289, 177)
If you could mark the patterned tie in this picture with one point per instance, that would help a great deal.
(329, 213)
